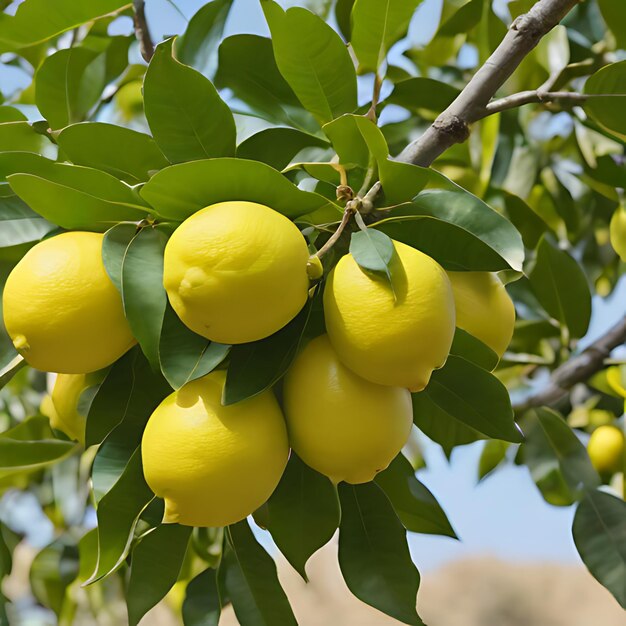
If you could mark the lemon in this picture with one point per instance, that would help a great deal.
(606, 449)
(340, 424)
(212, 464)
(616, 378)
(483, 308)
(236, 272)
(618, 232)
(61, 310)
(391, 342)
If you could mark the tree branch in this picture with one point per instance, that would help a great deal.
(529, 97)
(578, 369)
(142, 32)
(452, 126)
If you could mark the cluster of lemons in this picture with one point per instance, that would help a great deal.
(237, 272)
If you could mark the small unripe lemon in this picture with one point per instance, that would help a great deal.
(340, 424)
(61, 309)
(391, 341)
(483, 308)
(236, 272)
(618, 232)
(606, 449)
(314, 268)
(212, 464)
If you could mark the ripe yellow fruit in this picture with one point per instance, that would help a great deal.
(618, 232)
(483, 308)
(606, 449)
(213, 464)
(386, 341)
(61, 310)
(340, 424)
(236, 272)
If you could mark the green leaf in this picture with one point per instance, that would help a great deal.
(493, 453)
(614, 14)
(599, 531)
(376, 26)
(75, 197)
(21, 137)
(474, 397)
(248, 577)
(188, 122)
(143, 293)
(154, 568)
(118, 513)
(248, 68)
(68, 84)
(185, 356)
(374, 253)
(560, 285)
(114, 246)
(181, 190)
(414, 504)
(303, 40)
(198, 46)
(277, 146)
(202, 606)
(552, 451)
(343, 15)
(374, 554)
(122, 152)
(458, 230)
(303, 513)
(38, 20)
(611, 79)
(17, 454)
(18, 224)
(530, 225)
(258, 365)
(420, 93)
(473, 350)
(11, 114)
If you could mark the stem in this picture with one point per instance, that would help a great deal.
(529, 97)
(142, 32)
(348, 212)
(378, 83)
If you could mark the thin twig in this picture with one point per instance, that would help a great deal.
(528, 97)
(378, 83)
(348, 212)
(142, 32)
(578, 369)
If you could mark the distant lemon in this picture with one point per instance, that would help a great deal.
(213, 464)
(606, 449)
(618, 232)
(386, 341)
(61, 310)
(340, 424)
(236, 272)
(483, 308)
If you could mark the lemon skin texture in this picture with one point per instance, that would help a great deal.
(236, 272)
(341, 425)
(484, 308)
(606, 449)
(617, 231)
(61, 310)
(389, 342)
(212, 464)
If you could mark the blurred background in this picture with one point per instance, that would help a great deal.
(515, 563)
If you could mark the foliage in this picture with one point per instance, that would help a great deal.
(530, 195)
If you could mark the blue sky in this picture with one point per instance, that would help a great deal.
(503, 516)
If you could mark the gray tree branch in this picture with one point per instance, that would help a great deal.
(578, 369)
(452, 126)
(142, 32)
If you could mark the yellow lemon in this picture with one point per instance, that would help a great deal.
(61, 310)
(340, 424)
(483, 308)
(236, 272)
(616, 378)
(212, 464)
(618, 232)
(606, 449)
(391, 341)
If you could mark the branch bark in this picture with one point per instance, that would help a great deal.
(142, 32)
(578, 369)
(452, 126)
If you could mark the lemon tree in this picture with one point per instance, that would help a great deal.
(244, 278)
